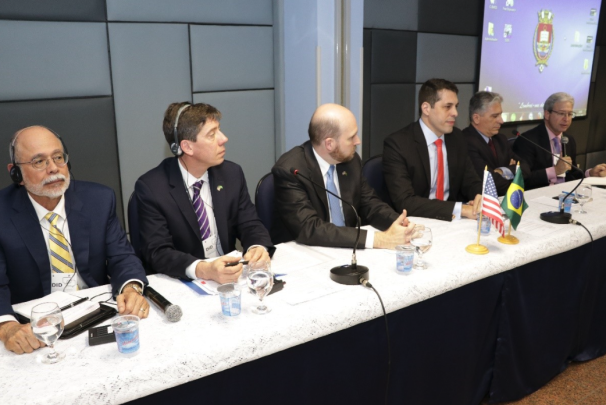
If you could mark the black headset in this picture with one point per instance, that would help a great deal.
(15, 172)
(175, 147)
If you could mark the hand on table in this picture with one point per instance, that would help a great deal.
(257, 254)
(218, 271)
(19, 338)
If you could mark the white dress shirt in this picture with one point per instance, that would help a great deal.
(324, 167)
(430, 138)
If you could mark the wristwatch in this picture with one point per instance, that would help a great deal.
(137, 288)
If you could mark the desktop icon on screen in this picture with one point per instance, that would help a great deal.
(577, 36)
(589, 39)
(491, 29)
(586, 64)
(593, 12)
(509, 3)
(507, 31)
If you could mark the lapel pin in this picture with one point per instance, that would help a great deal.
(344, 173)
(219, 188)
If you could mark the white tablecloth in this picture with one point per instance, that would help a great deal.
(310, 306)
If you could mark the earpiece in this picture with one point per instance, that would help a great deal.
(175, 148)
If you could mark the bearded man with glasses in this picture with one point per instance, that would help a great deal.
(58, 235)
(547, 170)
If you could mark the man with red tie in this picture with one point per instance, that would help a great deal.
(426, 166)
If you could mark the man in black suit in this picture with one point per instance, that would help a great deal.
(193, 206)
(312, 216)
(426, 167)
(545, 169)
(486, 146)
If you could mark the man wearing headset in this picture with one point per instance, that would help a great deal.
(58, 235)
(193, 206)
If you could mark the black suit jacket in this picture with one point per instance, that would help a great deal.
(168, 227)
(303, 207)
(538, 160)
(98, 242)
(481, 156)
(408, 175)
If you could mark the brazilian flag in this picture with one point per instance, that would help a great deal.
(513, 204)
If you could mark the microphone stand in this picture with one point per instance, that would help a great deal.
(555, 217)
(348, 274)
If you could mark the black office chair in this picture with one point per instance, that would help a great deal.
(373, 172)
(264, 200)
(133, 224)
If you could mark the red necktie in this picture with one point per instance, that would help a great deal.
(440, 185)
(491, 144)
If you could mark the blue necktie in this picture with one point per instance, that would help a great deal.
(335, 208)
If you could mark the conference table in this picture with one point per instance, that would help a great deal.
(469, 327)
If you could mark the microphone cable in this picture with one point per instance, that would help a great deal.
(575, 222)
(367, 284)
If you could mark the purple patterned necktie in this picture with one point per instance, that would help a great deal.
(201, 211)
(557, 149)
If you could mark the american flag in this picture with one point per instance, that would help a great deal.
(490, 204)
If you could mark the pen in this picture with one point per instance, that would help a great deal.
(73, 304)
(244, 262)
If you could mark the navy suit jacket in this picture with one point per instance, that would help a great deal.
(168, 227)
(408, 175)
(303, 207)
(481, 156)
(99, 244)
(539, 160)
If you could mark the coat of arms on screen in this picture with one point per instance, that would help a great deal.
(543, 39)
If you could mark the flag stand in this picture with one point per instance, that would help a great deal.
(476, 248)
(509, 239)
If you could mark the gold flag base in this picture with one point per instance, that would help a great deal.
(508, 240)
(476, 249)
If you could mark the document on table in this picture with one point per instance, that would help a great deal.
(210, 286)
(304, 290)
(535, 227)
(62, 299)
(547, 201)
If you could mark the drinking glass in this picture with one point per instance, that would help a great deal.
(583, 194)
(47, 325)
(421, 239)
(260, 280)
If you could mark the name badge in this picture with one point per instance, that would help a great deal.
(210, 247)
(67, 282)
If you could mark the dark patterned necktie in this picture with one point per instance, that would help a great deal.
(201, 211)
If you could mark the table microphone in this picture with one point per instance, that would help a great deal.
(560, 217)
(173, 312)
(350, 274)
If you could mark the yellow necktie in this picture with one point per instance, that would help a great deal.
(61, 261)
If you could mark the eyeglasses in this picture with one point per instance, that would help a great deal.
(562, 114)
(59, 159)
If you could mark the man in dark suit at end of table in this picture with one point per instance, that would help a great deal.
(426, 167)
(487, 147)
(194, 205)
(547, 170)
(314, 217)
(58, 234)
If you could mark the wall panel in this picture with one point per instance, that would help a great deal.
(248, 122)
(231, 58)
(53, 60)
(150, 67)
(194, 11)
